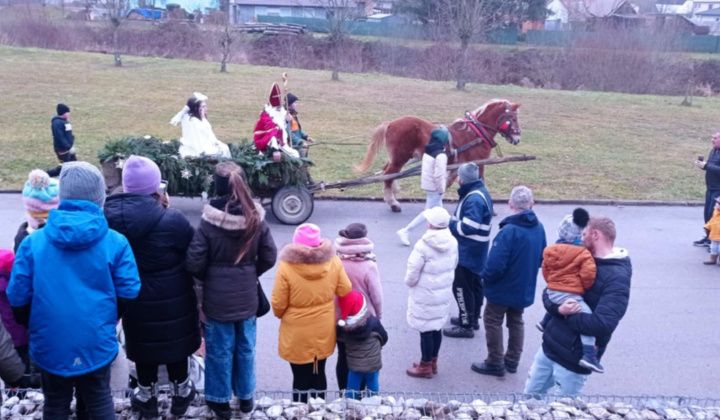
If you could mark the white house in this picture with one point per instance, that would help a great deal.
(557, 19)
(710, 18)
(675, 7)
(700, 6)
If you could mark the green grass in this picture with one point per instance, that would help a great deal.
(588, 144)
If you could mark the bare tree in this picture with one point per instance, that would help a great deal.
(228, 41)
(116, 12)
(340, 15)
(466, 21)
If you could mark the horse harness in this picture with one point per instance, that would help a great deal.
(479, 128)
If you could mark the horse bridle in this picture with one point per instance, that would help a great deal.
(503, 124)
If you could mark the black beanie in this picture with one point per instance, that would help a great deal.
(62, 109)
(291, 99)
(222, 185)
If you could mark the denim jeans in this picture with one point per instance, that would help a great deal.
(93, 387)
(355, 380)
(432, 199)
(230, 359)
(545, 374)
(559, 298)
(714, 247)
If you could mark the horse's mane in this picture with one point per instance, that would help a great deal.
(487, 104)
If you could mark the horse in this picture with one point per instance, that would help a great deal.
(471, 138)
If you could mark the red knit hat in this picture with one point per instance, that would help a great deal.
(7, 258)
(350, 305)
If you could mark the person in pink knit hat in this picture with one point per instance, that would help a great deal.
(308, 278)
(356, 251)
(40, 195)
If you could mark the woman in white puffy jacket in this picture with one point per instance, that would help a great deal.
(430, 273)
(433, 178)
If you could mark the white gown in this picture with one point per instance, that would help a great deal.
(198, 139)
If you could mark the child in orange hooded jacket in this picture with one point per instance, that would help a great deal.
(569, 270)
(713, 228)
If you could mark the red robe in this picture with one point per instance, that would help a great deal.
(265, 130)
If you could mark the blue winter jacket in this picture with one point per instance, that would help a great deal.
(471, 225)
(72, 273)
(511, 272)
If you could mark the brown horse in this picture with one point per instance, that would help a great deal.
(406, 137)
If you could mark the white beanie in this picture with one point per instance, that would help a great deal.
(437, 216)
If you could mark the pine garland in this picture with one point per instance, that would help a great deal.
(193, 176)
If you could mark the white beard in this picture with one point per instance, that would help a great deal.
(278, 117)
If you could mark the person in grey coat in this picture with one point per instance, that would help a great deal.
(12, 367)
(364, 337)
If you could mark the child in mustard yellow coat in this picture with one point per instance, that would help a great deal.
(713, 227)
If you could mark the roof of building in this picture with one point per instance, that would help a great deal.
(282, 3)
(711, 12)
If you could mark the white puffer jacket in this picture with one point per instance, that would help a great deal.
(434, 173)
(430, 273)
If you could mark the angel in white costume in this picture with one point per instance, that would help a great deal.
(197, 134)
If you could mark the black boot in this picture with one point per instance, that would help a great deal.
(145, 402)
(511, 367)
(247, 406)
(184, 395)
(489, 369)
(221, 410)
(458, 332)
(455, 320)
(590, 360)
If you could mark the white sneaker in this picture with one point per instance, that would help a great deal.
(403, 235)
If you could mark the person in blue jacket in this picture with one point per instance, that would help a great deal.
(509, 282)
(471, 227)
(70, 284)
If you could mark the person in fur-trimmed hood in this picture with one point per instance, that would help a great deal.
(364, 337)
(355, 250)
(231, 249)
(308, 278)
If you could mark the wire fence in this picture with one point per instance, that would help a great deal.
(408, 405)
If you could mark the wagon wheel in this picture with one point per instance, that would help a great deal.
(292, 205)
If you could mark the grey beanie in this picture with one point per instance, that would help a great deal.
(82, 181)
(469, 172)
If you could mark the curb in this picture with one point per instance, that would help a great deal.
(504, 200)
(619, 203)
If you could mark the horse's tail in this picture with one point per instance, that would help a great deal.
(378, 139)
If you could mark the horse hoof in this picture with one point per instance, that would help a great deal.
(395, 208)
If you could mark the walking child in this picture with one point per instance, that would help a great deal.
(713, 227)
(569, 270)
(430, 273)
(63, 138)
(364, 337)
(433, 179)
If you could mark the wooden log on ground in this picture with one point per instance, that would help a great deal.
(414, 171)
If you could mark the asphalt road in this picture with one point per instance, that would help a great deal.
(667, 344)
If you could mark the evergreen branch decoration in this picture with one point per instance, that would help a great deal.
(193, 176)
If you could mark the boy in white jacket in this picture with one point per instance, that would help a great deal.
(430, 273)
(433, 178)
